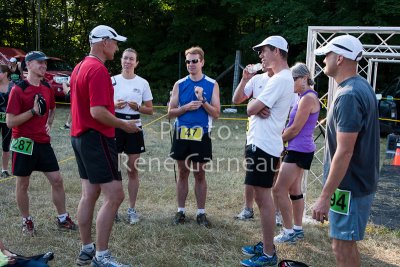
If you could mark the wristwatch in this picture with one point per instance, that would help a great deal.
(204, 100)
(33, 112)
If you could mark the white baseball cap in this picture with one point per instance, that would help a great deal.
(276, 41)
(102, 32)
(13, 60)
(345, 45)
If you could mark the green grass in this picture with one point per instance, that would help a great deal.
(155, 241)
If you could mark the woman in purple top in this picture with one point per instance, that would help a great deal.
(298, 157)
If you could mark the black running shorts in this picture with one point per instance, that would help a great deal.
(302, 160)
(260, 167)
(42, 159)
(129, 143)
(196, 151)
(96, 156)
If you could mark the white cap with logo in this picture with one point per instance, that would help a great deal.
(345, 45)
(276, 41)
(102, 32)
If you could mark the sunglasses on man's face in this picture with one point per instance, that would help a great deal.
(194, 61)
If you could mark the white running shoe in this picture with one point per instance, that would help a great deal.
(245, 214)
(284, 237)
(278, 219)
(133, 216)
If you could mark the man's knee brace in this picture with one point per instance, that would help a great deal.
(296, 197)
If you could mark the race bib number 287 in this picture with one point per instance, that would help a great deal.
(22, 145)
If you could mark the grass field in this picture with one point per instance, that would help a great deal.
(155, 241)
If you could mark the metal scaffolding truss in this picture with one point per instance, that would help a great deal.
(381, 45)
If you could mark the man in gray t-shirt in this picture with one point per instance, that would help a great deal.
(352, 158)
(354, 110)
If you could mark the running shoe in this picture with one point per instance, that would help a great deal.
(179, 218)
(85, 257)
(133, 216)
(278, 219)
(285, 237)
(28, 228)
(5, 174)
(202, 220)
(299, 234)
(68, 224)
(260, 261)
(107, 261)
(245, 214)
(253, 250)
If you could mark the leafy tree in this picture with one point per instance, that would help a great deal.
(161, 30)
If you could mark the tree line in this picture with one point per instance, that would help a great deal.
(161, 30)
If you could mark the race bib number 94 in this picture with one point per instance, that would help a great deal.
(193, 134)
(340, 201)
(22, 145)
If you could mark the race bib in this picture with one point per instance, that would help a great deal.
(340, 201)
(2, 117)
(22, 145)
(14, 77)
(192, 134)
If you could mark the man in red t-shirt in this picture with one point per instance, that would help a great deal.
(92, 137)
(30, 114)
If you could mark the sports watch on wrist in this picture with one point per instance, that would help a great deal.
(204, 100)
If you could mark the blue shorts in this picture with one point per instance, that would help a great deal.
(351, 227)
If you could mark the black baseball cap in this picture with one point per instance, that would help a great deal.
(35, 55)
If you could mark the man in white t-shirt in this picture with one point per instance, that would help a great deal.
(265, 145)
(250, 86)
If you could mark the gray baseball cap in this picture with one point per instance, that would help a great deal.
(35, 55)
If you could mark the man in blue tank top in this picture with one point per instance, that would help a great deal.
(195, 103)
